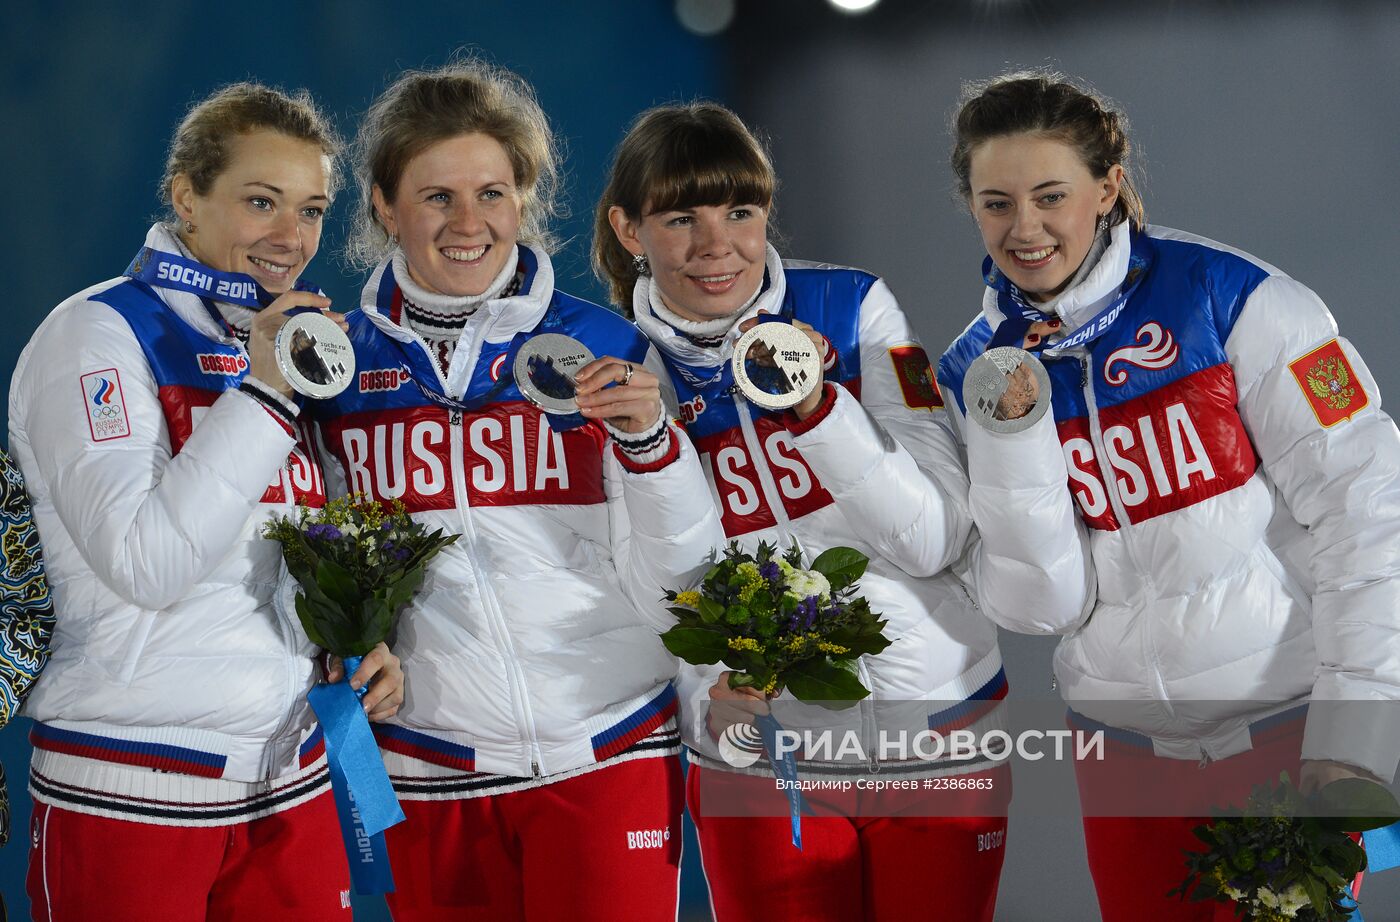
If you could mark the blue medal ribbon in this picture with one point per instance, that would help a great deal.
(167, 270)
(1382, 848)
(785, 769)
(365, 801)
(1021, 313)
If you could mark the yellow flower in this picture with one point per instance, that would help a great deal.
(750, 590)
(771, 687)
(832, 648)
(690, 598)
(745, 643)
(748, 570)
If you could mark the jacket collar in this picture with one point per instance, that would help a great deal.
(497, 320)
(681, 348)
(1079, 303)
(189, 306)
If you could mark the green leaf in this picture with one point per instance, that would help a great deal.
(1317, 895)
(710, 610)
(309, 622)
(338, 585)
(696, 645)
(820, 681)
(841, 566)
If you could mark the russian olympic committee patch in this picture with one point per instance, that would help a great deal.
(105, 405)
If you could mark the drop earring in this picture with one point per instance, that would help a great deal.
(640, 264)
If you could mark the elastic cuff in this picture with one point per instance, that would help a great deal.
(654, 459)
(646, 446)
(277, 406)
(798, 426)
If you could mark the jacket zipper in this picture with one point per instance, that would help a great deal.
(1110, 482)
(490, 604)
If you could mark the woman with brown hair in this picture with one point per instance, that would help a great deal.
(534, 756)
(866, 461)
(1240, 484)
(177, 772)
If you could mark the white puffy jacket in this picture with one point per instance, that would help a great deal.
(1242, 490)
(151, 475)
(532, 649)
(877, 469)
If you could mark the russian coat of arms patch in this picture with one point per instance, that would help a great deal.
(1329, 384)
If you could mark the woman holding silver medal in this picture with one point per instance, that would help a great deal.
(1239, 482)
(861, 458)
(176, 772)
(534, 756)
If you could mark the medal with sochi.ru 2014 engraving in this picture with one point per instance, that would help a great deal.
(545, 368)
(314, 354)
(776, 365)
(990, 377)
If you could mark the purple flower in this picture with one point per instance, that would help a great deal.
(323, 532)
(807, 610)
(770, 572)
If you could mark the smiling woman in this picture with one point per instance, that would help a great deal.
(1231, 467)
(542, 723)
(152, 424)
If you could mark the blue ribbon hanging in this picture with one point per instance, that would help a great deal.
(365, 801)
(786, 769)
(1382, 848)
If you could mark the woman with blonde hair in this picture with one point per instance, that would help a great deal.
(534, 756)
(177, 772)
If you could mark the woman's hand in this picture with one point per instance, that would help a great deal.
(634, 405)
(1022, 389)
(380, 670)
(730, 706)
(262, 358)
(813, 400)
(1318, 773)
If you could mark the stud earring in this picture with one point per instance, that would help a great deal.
(189, 227)
(640, 264)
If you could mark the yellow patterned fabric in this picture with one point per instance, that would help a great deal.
(26, 612)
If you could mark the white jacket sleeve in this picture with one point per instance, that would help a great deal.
(149, 525)
(1030, 566)
(664, 526)
(893, 468)
(1340, 479)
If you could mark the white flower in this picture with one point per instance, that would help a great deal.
(1234, 894)
(1292, 900)
(349, 529)
(804, 583)
(1268, 897)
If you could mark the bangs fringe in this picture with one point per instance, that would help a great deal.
(697, 169)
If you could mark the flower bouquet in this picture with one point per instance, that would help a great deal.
(1288, 857)
(358, 566)
(777, 625)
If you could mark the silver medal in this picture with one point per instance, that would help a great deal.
(544, 371)
(315, 355)
(776, 365)
(988, 379)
